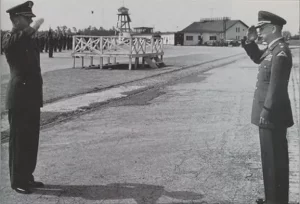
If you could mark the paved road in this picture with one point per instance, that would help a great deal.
(188, 142)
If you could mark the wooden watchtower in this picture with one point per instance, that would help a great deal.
(123, 24)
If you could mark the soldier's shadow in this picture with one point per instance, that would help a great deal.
(141, 193)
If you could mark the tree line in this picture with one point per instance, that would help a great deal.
(64, 30)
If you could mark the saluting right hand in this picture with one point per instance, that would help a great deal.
(252, 34)
(38, 23)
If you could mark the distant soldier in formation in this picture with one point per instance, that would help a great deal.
(70, 42)
(46, 43)
(42, 42)
(60, 42)
(50, 43)
(54, 42)
(64, 42)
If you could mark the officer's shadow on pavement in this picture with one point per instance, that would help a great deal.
(141, 193)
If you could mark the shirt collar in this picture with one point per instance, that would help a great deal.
(273, 42)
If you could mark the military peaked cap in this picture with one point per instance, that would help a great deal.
(24, 9)
(265, 17)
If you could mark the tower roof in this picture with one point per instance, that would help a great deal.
(123, 10)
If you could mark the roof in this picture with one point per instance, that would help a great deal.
(143, 27)
(210, 26)
(168, 32)
(123, 10)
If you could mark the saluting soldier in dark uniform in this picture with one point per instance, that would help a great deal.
(24, 97)
(271, 110)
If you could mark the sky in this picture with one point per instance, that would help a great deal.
(163, 15)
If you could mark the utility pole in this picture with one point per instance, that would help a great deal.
(102, 17)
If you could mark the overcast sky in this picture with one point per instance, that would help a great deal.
(163, 15)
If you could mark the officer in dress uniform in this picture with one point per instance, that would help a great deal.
(271, 110)
(24, 97)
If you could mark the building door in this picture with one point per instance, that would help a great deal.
(179, 38)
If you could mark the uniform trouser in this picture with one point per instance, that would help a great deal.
(275, 164)
(23, 144)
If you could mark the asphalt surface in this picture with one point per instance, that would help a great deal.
(60, 84)
(189, 141)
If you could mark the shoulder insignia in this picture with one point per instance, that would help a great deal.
(282, 53)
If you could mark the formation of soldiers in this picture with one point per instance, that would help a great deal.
(51, 41)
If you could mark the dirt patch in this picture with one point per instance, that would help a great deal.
(193, 78)
(143, 98)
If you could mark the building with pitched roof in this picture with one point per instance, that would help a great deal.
(214, 29)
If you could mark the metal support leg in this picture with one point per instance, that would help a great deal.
(143, 62)
(92, 59)
(101, 62)
(136, 63)
(130, 62)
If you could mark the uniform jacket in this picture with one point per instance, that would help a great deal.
(24, 89)
(271, 93)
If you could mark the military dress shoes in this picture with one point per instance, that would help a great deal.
(22, 189)
(35, 184)
(260, 201)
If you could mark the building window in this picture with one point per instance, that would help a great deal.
(189, 38)
(199, 37)
(238, 30)
(212, 37)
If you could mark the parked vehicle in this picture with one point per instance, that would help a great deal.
(233, 43)
(216, 43)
